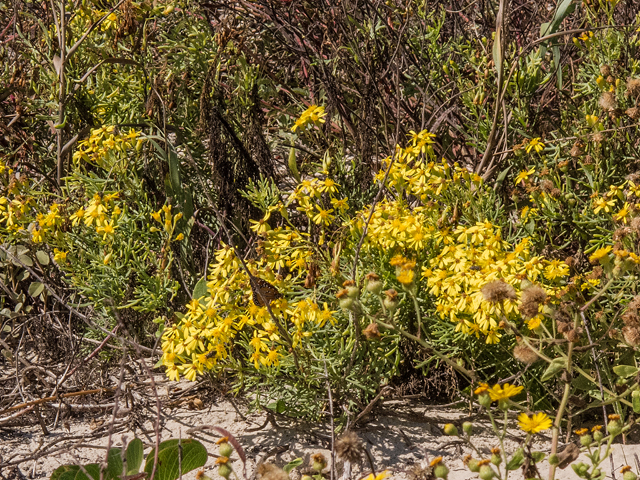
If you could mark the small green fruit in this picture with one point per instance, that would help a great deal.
(486, 472)
(467, 427)
(450, 429)
(440, 471)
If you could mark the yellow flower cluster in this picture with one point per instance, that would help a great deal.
(314, 114)
(226, 315)
(470, 258)
(103, 145)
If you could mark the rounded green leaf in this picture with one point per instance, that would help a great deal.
(43, 258)
(36, 289)
(194, 455)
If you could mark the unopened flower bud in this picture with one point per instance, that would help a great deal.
(225, 449)
(467, 427)
(484, 399)
(224, 470)
(440, 471)
(586, 440)
(486, 472)
(450, 429)
(374, 284)
(614, 427)
(629, 475)
(473, 465)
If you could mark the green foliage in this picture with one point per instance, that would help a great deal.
(175, 458)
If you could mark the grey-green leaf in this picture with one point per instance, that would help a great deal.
(36, 289)
(43, 258)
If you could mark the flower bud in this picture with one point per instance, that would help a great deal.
(390, 301)
(440, 471)
(467, 427)
(319, 462)
(484, 399)
(496, 459)
(598, 436)
(586, 440)
(473, 465)
(224, 470)
(614, 427)
(486, 472)
(374, 284)
(450, 429)
(225, 449)
(629, 475)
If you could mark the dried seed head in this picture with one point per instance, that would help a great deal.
(531, 299)
(372, 332)
(635, 225)
(633, 87)
(608, 102)
(576, 151)
(631, 335)
(633, 112)
(348, 447)
(563, 327)
(605, 70)
(268, 471)
(524, 354)
(498, 291)
(547, 185)
(597, 137)
(573, 335)
(611, 79)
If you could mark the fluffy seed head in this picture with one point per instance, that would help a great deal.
(524, 354)
(605, 70)
(348, 447)
(631, 335)
(268, 471)
(531, 299)
(372, 332)
(633, 87)
(608, 102)
(498, 291)
(633, 112)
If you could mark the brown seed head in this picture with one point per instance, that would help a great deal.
(633, 87)
(605, 70)
(524, 354)
(633, 112)
(268, 471)
(608, 102)
(531, 299)
(349, 448)
(631, 335)
(498, 291)
(372, 332)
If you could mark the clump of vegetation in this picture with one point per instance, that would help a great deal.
(313, 204)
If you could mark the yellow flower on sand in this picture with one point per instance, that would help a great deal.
(380, 476)
(534, 424)
(498, 392)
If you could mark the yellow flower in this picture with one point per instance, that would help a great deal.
(380, 476)
(600, 254)
(37, 235)
(524, 174)
(603, 204)
(535, 144)
(405, 277)
(313, 114)
(555, 269)
(502, 393)
(106, 230)
(622, 215)
(59, 256)
(534, 424)
(534, 322)
(179, 237)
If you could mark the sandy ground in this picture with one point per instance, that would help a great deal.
(400, 435)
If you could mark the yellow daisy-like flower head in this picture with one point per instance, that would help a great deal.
(534, 424)
(498, 392)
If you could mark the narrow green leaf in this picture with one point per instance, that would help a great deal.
(516, 460)
(555, 367)
(293, 464)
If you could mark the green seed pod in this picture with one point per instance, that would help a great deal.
(440, 471)
(484, 399)
(224, 470)
(225, 449)
(353, 291)
(598, 436)
(473, 465)
(614, 427)
(467, 427)
(496, 459)
(486, 472)
(629, 475)
(586, 440)
(450, 429)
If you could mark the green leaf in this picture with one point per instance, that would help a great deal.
(135, 455)
(194, 455)
(43, 258)
(501, 177)
(25, 260)
(36, 289)
(74, 472)
(625, 371)
(555, 367)
(635, 401)
(200, 289)
(517, 460)
(293, 464)
(538, 456)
